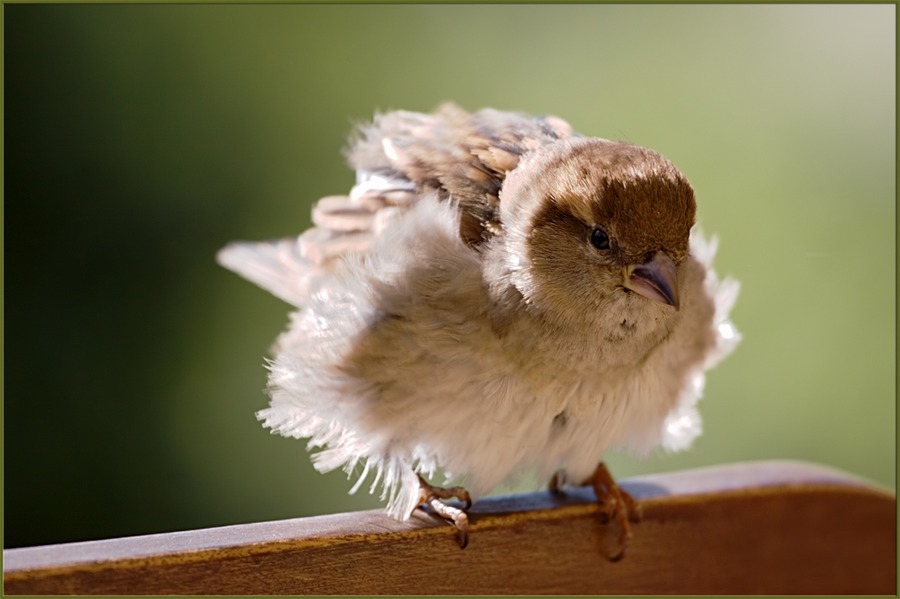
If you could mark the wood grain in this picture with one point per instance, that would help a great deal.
(762, 528)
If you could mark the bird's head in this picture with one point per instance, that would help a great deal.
(597, 229)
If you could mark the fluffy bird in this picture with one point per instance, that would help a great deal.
(496, 294)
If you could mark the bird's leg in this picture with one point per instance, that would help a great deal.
(615, 504)
(432, 496)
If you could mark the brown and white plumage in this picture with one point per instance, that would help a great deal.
(497, 293)
(398, 158)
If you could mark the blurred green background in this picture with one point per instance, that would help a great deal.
(140, 139)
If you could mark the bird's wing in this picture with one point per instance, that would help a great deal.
(399, 157)
(460, 155)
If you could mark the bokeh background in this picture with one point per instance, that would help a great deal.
(140, 139)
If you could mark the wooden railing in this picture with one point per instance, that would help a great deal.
(762, 527)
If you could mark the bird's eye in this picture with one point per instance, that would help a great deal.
(599, 239)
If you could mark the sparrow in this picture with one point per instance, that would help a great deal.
(496, 294)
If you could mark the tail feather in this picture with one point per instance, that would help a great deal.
(277, 266)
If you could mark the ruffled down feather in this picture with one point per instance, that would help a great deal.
(683, 424)
(322, 414)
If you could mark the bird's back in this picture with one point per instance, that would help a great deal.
(460, 155)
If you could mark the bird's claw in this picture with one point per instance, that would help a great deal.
(433, 496)
(616, 505)
(557, 482)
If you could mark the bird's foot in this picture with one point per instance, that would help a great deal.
(616, 505)
(432, 496)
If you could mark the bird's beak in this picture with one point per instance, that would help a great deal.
(656, 279)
